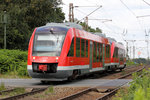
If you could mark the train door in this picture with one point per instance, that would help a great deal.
(91, 54)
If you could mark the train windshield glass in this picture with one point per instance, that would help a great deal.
(48, 41)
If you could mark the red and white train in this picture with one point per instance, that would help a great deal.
(64, 51)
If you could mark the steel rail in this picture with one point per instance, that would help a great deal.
(6, 91)
(25, 94)
(124, 76)
(106, 96)
(113, 92)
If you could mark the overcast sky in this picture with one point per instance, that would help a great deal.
(123, 14)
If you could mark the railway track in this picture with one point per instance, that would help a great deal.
(101, 92)
(15, 97)
(98, 93)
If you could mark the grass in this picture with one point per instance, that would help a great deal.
(45, 94)
(13, 75)
(17, 91)
(2, 87)
(123, 72)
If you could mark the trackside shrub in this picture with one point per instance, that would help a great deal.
(13, 61)
(139, 88)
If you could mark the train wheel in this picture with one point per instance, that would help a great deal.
(70, 79)
(43, 82)
(74, 75)
(120, 69)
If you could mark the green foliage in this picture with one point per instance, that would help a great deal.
(2, 87)
(129, 63)
(139, 88)
(90, 29)
(17, 91)
(49, 90)
(140, 60)
(13, 61)
(24, 16)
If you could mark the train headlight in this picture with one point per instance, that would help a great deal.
(33, 57)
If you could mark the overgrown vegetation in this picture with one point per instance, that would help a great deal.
(16, 91)
(23, 16)
(2, 87)
(13, 62)
(139, 88)
(45, 94)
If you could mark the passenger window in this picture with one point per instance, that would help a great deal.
(77, 47)
(94, 51)
(71, 50)
(86, 52)
(97, 52)
(101, 52)
(82, 47)
(107, 51)
(115, 55)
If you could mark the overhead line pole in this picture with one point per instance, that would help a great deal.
(71, 13)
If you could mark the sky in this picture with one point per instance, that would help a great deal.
(125, 25)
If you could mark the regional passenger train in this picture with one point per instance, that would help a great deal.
(60, 51)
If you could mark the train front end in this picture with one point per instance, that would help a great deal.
(44, 52)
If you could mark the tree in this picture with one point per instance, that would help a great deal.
(90, 29)
(25, 15)
(98, 30)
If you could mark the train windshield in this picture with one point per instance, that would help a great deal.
(48, 40)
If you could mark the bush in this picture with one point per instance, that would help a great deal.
(13, 60)
(139, 88)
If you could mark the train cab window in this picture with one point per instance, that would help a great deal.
(77, 47)
(48, 40)
(107, 51)
(82, 47)
(101, 52)
(86, 48)
(71, 50)
(94, 51)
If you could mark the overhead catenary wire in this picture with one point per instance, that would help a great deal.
(133, 14)
(93, 17)
(90, 13)
(146, 2)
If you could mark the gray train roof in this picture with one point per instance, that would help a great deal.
(120, 43)
(100, 34)
(111, 40)
(68, 24)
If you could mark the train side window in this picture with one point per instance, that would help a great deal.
(86, 51)
(115, 55)
(77, 47)
(121, 55)
(107, 51)
(94, 51)
(71, 50)
(97, 52)
(101, 52)
(116, 52)
(82, 47)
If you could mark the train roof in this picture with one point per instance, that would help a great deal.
(90, 36)
(100, 34)
(111, 40)
(119, 45)
(67, 25)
